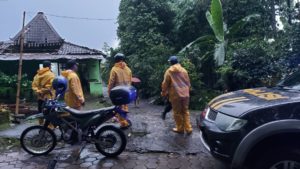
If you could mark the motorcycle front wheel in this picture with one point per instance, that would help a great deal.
(110, 141)
(38, 140)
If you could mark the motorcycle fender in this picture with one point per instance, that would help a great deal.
(35, 116)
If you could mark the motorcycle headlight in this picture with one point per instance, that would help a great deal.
(228, 123)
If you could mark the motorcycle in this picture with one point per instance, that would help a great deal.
(79, 126)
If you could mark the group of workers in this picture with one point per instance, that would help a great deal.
(175, 86)
(42, 85)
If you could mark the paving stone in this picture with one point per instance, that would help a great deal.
(80, 161)
(165, 162)
(62, 165)
(130, 164)
(142, 157)
(140, 167)
(123, 157)
(162, 167)
(107, 164)
(13, 154)
(118, 167)
(94, 167)
(10, 167)
(174, 163)
(94, 155)
(96, 162)
(40, 166)
(195, 161)
(153, 160)
(90, 159)
(172, 155)
(86, 164)
(151, 165)
(28, 167)
(18, 165)
(4, 164)
(195, 166)
(9, 159)
(138, 162)
(72, 167)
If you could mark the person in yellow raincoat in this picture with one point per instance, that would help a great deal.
(120, 74)
(74, 97)
(42, 84)
(176, 86)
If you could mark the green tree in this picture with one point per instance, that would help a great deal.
(216, 22)
(144, 32)
(190, 21)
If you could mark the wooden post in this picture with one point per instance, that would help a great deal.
(20, 67)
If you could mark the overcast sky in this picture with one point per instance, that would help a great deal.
(88, 33)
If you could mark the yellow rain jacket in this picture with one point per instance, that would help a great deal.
(42, 84)
(177, 86)
(176, 83)
(120, 74)
(74, 97)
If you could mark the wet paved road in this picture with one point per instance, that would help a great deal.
(127, 160)
(151, 144)
(152, 134)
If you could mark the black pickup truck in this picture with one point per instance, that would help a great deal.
(255, 128)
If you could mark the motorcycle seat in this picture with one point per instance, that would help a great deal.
(85, 113)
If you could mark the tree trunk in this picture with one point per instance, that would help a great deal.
(273, 19)
(289, 4)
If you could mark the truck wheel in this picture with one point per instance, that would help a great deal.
(283, 158)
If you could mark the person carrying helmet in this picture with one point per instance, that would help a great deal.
(60, 85)
(74, 97)
(120, 74)
(176, 86)
(42, 84)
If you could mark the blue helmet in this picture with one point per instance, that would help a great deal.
(119, 57)
(173, 60)
(60, 85)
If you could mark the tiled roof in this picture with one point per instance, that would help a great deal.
(66, 51)
(64, 48)
(4, 46)
(68, 48)
(46, 56)
(42, 41)
(39, 31)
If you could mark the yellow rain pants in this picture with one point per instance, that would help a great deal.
(177, 85)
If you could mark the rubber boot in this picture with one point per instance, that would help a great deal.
(187, 123)
(178, 123)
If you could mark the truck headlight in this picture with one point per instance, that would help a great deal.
(228, 123)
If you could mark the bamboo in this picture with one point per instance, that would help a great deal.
(20, 66)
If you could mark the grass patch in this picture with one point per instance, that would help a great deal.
(8, 143)
(4, 126)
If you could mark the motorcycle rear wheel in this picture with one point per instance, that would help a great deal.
(111, 141)
(38, 140)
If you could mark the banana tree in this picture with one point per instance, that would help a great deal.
(215, 20)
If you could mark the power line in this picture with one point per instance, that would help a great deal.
(78, 18)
